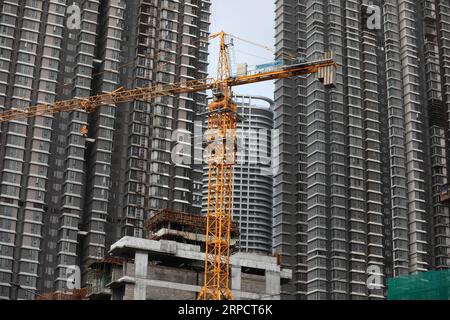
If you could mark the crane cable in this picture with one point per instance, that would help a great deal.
(271, 49)
(128, 63)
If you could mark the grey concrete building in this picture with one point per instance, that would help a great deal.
(356, 196)
(169, 270)
(65, 198)
(252, 176)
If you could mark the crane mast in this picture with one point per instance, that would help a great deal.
(221, 137)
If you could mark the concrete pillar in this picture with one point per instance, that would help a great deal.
(236, 282)
(118, 293)
(140, 275)
(273, 285)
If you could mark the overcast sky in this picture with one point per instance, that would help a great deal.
(248, 19)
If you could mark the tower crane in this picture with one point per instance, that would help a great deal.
(222, 123)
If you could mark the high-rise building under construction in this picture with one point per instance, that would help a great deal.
(66, 197)
(356, 197)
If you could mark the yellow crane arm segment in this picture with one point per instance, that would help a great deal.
(89, 104)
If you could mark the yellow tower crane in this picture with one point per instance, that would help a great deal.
(222, 123)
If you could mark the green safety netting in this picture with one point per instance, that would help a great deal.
(432, 285)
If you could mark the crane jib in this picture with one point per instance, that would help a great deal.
(325, 67)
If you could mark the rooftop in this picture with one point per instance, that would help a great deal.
(170, 250)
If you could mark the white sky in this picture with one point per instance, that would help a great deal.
(251, 20)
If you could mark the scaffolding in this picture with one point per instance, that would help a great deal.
(431, 285)
(99, 276)
(183, 227)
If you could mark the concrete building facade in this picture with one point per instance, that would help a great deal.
(252, 176)
(65, 198)
(356, 195)
(169, 270)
